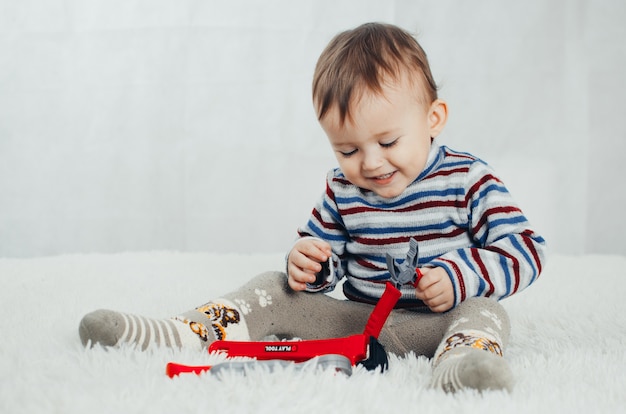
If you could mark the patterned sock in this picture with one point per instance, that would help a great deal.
(471, 360)
(193, 329)
(110, 328)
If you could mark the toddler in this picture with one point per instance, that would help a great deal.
(377, 102)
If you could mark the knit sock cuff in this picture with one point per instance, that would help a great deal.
(469, 338)
(220, 319)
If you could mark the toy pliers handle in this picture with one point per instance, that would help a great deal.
(407, 272)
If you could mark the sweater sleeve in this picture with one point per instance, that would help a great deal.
(506, 256)
(326, 223)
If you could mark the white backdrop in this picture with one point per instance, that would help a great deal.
(187, 124)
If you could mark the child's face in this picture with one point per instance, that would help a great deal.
(385, 144)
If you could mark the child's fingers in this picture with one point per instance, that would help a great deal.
(435, 290)
(437, 302)
(440, 306)
(324, 247)
(425, 285)
(315, 249)
(295, 285)
(297, 278)
(301, 270)
(305, 261)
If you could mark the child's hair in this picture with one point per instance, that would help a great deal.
(357, 60)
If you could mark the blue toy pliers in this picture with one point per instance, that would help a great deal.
(406, 273)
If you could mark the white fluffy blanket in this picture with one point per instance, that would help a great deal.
(568, 345)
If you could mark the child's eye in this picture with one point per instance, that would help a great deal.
(348, 154)
(389, 144)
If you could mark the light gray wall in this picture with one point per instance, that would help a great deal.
(187, 125)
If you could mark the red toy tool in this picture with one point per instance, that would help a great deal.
(363, 349)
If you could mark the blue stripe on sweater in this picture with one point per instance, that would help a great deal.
(319, 232)
(484, 191)
(502, 222)
(333, 212)
(507, 275)
(453, 191)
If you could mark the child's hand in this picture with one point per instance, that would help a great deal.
(435, 289)
(304, 261)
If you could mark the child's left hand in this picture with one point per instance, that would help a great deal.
(435, 289)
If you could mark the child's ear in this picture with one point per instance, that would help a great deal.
(437, 117)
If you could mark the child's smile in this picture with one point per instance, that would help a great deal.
(384, 179)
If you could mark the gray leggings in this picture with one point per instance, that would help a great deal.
(266, 305)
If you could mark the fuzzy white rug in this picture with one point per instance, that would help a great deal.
(568, 345)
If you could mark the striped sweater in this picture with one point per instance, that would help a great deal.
(461, 214)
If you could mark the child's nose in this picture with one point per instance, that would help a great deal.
(372, 160)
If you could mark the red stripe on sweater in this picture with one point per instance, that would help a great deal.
(445, 173)
(530, 245)
(412, 207)
(483, 271)
(492, 211)
(483, 180)
(515, 266)
(369, 265)
(451, 153)
(325, 224)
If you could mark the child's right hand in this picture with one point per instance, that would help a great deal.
(304, 261)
